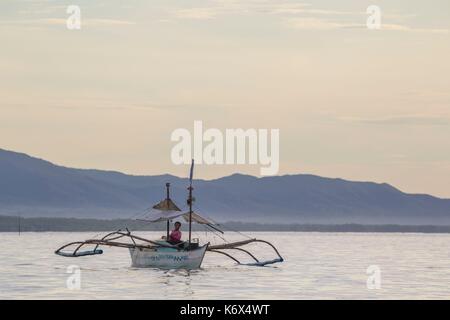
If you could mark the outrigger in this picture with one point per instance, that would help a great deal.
(161, 253)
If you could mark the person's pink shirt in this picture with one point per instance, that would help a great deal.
(175, 235)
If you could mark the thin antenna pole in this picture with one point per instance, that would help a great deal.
(168, 198)
(190, 201)
(190, 212)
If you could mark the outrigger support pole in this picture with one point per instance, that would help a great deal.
(237, 245)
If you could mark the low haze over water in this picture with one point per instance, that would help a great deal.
(318, 265)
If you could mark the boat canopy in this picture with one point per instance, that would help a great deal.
(167, 210)
(166, 205)
(197, 218)
(157, 215)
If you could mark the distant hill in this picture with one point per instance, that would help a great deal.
(35, 187)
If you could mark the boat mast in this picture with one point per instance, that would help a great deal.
(168, 199)
(190, 201)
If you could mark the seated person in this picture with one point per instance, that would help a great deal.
(175, 235)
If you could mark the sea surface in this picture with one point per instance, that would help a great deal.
(317, 266)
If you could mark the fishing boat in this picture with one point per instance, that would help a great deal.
(162, 253)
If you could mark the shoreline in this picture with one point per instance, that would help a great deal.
(10, 224)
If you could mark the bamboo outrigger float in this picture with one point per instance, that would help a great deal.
(161, 253)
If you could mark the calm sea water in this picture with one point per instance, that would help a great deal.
(317, 266)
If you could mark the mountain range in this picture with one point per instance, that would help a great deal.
(34, 187)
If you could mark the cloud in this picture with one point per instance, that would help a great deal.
(301, 16)
(196, 13)
(398, 27)
(318, 24)
(411, 119)
(304, 23)
(222, 8)
(58, 21)
(107, 22)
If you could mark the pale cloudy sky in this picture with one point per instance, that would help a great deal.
(350, 102)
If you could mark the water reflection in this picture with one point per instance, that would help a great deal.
(318, 265)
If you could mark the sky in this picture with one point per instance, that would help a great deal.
(350, 102)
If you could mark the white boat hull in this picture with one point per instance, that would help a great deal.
(167, 259)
